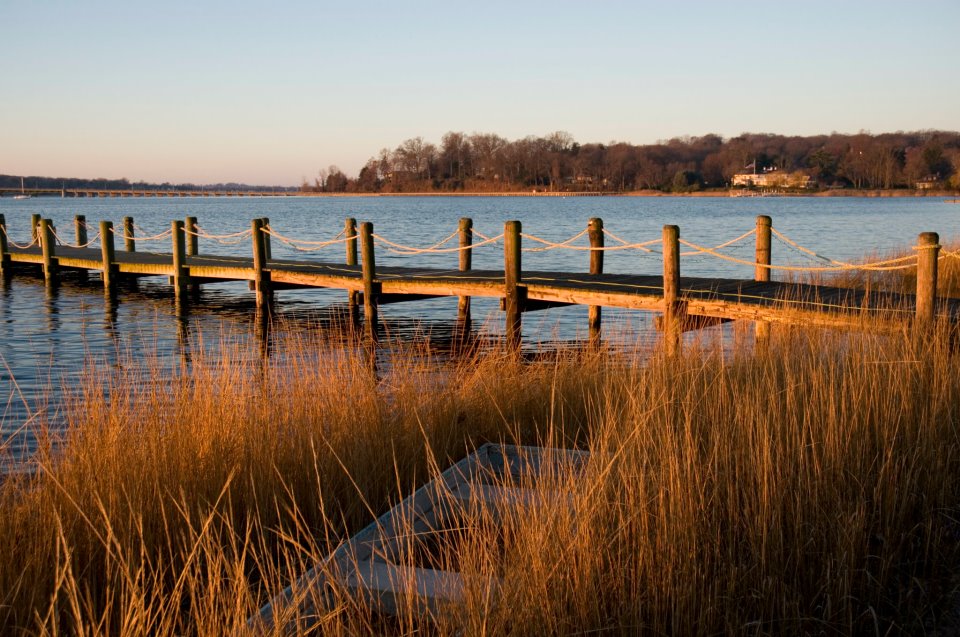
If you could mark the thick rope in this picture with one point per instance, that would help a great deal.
(297, 243)
(482, 236)
(203, 234)
(122, 234)
(398, 248)
(626, 245)
(67, 244)
(34, 242)
(877, 266)
(722, 245)
(550, 245)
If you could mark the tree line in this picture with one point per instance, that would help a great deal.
(100, 183)
(487, 162)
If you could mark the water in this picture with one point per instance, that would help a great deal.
(49, 335)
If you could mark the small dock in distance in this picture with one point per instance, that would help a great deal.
(685, 303)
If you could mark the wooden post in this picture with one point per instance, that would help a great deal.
(928, 251)
(261, 276)
(370, 287)
(672, 306)
(35, 228)
(109, 268)
(267, 250)
(80, 230)
(49, 253)
(466, 263)
(190, 227)
(181, 274)
(595, 233)
(353, 297)
(513, 301)
(764, 224)
(5, 269)
(761, 329)
(129, 242)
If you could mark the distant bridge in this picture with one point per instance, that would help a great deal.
(137, 192)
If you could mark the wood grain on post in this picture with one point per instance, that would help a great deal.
(35, 228)
(80, 229)
(190, 227)
(672, 306)
(350, 232)
(5, 268)
(49, 253)
(761, 329)
(595, 232)
(513, 303)
(107, 252)
(129, 242)
(181, 275)
(261, 277)
(267, 248)
(928, 252)
(465, 231)
(761, 273)
(369, 265)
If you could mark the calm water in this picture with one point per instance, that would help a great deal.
(49, 335)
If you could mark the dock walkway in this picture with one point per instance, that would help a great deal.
(686, 302)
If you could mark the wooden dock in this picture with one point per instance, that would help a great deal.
(685, 302)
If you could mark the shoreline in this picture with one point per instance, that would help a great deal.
(722, 194)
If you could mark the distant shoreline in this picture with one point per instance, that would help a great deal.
(651, 193)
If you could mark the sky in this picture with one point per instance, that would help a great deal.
(273, 92)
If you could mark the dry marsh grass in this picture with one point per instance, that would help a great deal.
(809, 486)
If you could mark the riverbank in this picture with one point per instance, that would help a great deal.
(654, 193)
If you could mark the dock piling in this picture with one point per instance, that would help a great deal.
(261, 275)
(190, 227)
(513, 290)
(267, 249)
(109, 268)
(466, 263)
(129, 242)
(595, 233)
(673, 307)
(353, 297)
(49, 251)
(370, 288)
(760, 273)
(181, 274)
(80, 232)
(80, 229)
(5, 269)
(928, 247)
(35, 228)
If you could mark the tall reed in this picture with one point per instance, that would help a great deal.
(805, 486)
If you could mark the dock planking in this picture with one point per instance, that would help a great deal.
(696, 298)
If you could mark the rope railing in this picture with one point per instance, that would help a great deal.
(876, 266)
(203, 234)
(35, 241)
(626, 245)
(399, 248)
(296, 244)
(119, 232)
(302, 245)
(726, 244)
(61, 241)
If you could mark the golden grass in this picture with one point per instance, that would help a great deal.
(807, 486)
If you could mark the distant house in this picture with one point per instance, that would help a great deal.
(772, 178)
(928, 183)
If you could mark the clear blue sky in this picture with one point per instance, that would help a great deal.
(270, 92)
